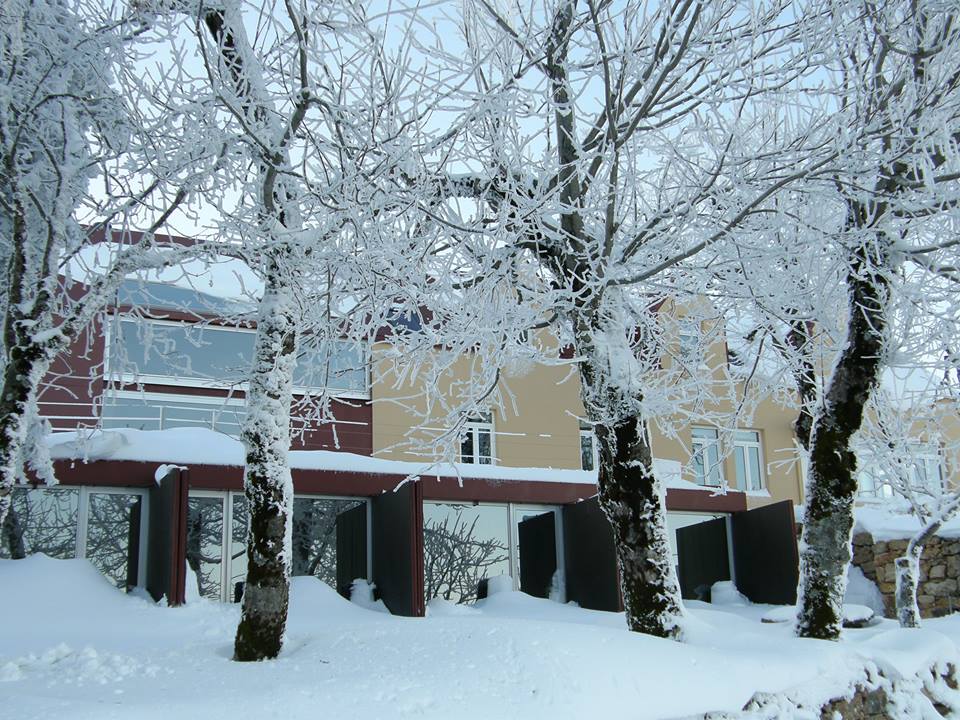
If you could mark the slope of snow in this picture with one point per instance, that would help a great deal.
(204, 446)
(80, 649)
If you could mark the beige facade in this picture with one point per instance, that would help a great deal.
(544, 430)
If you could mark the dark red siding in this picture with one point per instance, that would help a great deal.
(70, 392)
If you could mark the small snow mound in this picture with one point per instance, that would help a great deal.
(49, 585)
(438, 607)
(725, 592)
(862, 591)
(63, 665)
(160, 474)
(192, 587)
(362, 594)
(499, 584)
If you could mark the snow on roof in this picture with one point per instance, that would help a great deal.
(161, 295)
(891, 521)
(205, 447)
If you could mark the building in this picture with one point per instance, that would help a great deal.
(158, 502)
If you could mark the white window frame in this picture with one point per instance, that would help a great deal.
(475, 427)
(742, 446)
(701, 445)
(113, 373)
(926, 457)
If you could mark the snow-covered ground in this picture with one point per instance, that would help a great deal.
(71, 646)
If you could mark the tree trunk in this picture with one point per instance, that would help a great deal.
(832, 483)
(26, 365)
(12, 536)
(267, 480)
(633, 500)
(908, 566)
(908, 576)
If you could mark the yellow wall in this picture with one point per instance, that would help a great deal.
(545, 431)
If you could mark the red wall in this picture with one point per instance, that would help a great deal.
(72, 388)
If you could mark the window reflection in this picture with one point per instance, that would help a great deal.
(42, 520)
(113, 536)
(205, 544)
(463, 544)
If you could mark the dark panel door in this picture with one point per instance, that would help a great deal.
(167, 537)
(133, 543)
(765, 554)
(703, 557)
(351, 548)
(590, 557)
(537, 541)
(397, 536)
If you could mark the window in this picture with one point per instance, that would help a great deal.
(464, 544)
(925, 467)
(689, 341)
(209, 356)
(917, 465)
(102, 525)
(476, 441)
(873, 479)
(327, 536)
(706, 457)
(748, 458)
(588, 447)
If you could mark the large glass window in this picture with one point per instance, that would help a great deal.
(220, 562)
(105, 526)
(42, 520)
(476, 441)
(462, 545)
(113, 535)
(707, 469)
(315, 524)
(748, 457)
(205, 543)
(208, 355)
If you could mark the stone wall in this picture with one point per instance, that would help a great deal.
(939, 590)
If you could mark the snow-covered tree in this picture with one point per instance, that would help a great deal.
(614, 137)
(898, 67)
(64, 120)
(315, 112)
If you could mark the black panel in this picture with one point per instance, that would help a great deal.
(765, 554)
(538, 554)
(397, 527)
(590, 557)
(703, 556)
(163, 544)
(133, 543)
(351, 548)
